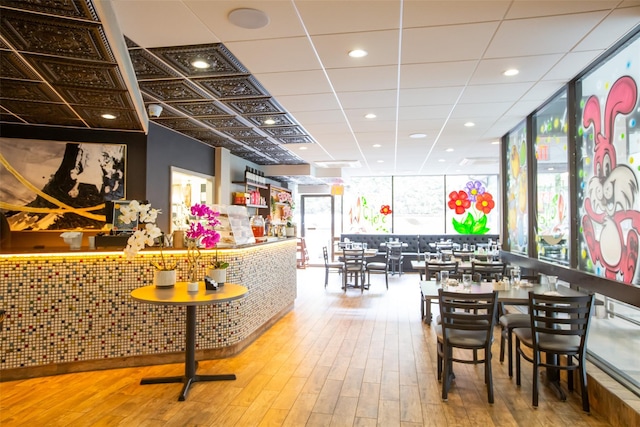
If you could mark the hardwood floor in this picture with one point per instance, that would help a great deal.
(337, 359)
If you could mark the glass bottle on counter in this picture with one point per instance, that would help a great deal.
(257, 226)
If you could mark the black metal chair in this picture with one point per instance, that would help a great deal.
(467, 322)
(330, 265)
(354, 267)
(559, 327)
(508, 322)
(433, 268)
(488, 270)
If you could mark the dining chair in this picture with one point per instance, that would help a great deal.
(433, 268)
(508, 322)
(462, 255)
(488, 270)
(378, 268)
(330, 266)
(395, 257)
(353, 260)
(467, 322)
(559, 326)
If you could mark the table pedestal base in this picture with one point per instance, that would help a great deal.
(187, 381)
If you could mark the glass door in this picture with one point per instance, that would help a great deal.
(317, 218)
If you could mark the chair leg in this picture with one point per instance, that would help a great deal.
(386, 279)
(583, 386)
(488, 374)
(439, 362)
(535, 379)
(517, 361)
(502, 345)
(570, 373)
(326, 277)
(510, 351)
(446, 373)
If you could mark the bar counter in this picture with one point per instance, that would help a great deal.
(72, 311)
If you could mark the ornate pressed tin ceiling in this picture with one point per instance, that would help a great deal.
(58, 68)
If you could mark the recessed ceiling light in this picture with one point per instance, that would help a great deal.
(441, 160)
(108, 116)
(550, 169)
(303, 148)
(449, 150)
(418, 135)
(511, 72)
(269, 122)
(495, 142)
(358, 53)
(377, 145)
(469, 124)
(370, 116)
(251, 19)
(380, 161)
(200, 64)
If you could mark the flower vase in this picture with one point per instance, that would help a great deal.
(219, 275)
(164, 278)
(290, 231)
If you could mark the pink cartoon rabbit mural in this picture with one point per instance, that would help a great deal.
(610, 216)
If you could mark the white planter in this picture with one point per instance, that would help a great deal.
(219, 275)
(164, 278)
(290, 231)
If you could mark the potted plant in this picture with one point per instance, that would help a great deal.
(165, 270)
(201, 232)
(218, 270)
(287, 213)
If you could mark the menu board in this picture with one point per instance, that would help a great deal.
(234, 228)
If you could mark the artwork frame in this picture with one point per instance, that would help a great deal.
(60, 185)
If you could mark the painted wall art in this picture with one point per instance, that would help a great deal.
(51, 185)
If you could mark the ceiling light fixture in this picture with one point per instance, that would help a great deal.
(370, 116)
(380, 161)
(200, 64)
(358, 53)
(269, 122)
(511, 72)
(302, 148)
(441, 160)
(495, 142)
(469, 124)
(418, 135)
(251, 19)
(377, 145)
(449, 150)
(108, 116)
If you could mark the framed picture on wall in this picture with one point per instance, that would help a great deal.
(57, 185)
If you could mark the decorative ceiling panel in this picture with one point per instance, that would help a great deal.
(27, 90)
(148, 67)
(221, 62)
(296, 140)
(125, 119)
(53, 36)
(110, 99)
(223, 122)
(233, 87)
(278, 120)
(78, 9)
(200, 109)
(181, 123)
(240, 132)
(12, 67)
(173, 90)
(284, 131)
(63, 71)
(256, 106)
(43, 113)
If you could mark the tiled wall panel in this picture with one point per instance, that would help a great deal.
(76, 307)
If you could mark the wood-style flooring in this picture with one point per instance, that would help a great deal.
(337, 359)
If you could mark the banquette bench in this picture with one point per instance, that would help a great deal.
(416, 243)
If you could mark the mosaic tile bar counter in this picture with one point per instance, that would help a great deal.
(75, 307)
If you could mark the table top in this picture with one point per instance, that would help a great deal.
(178, 294)
(462, 265)
(515, 295)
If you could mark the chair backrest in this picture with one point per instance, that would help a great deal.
(394, 251)
(325, 254)
(462, 255)
(488, 270)
(433, 268)
(467, 312)
(566, 316)
(353, 259)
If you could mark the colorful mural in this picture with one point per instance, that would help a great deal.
(516, 197)
(609, 140)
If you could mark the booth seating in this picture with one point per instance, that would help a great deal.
(415, 243)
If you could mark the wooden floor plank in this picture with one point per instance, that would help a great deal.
(337, 359)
